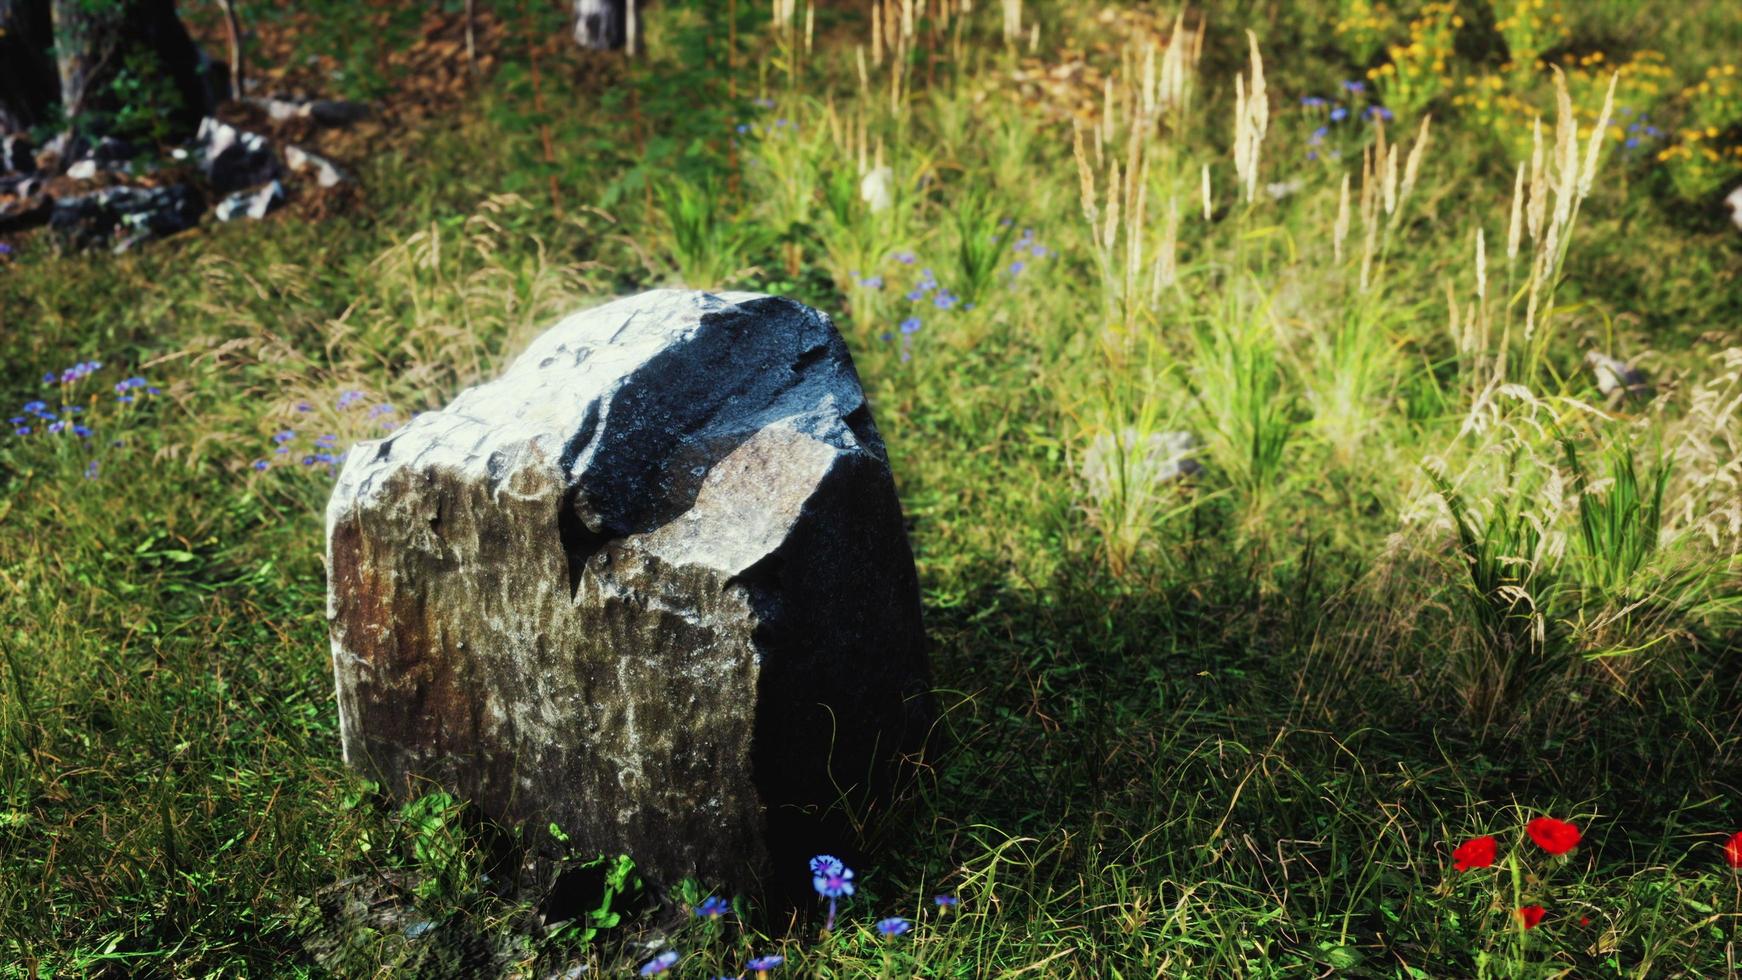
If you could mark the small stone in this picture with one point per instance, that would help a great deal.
(254, 204)
(128, 215)
(877, 189)
(1616, 379)
(83, 170)
(233, 159)
(25, 213)
(1735, 203)
(536, 602)
(300, 161)
(17, 155)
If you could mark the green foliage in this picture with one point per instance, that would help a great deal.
(1227, 725)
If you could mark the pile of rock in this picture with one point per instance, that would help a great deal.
(109, 194)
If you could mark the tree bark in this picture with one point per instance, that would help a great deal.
(606, 25)
(29, 87)
(143, 46)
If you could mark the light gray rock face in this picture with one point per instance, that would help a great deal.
(652, 584)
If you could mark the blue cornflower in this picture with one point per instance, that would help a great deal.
(823, 862)
(17, 420)
(304, 407)
(906, 258)
(915, 294)
(712, 907)
(308, 461)
(283, 437)
(327, 440)
(81, 431)
(1632, 143)
(1379, 112)
(57, 427)
(1339, 114)
(743, 128)
(5, 249)
(910, 325)
(762, 964)
(125, 399)
(35, 407)
(945, 300)
(1354, 85)
(22, 430)
(661, 963)
(946, 901)
(894, 926)
(349, 398)
(260, 465)
(1313, 101)
(833, 882)
(91, 471)
(764, 102)
(886, 336)
(385, 408)
(48, 378)
(1318, 136)
(1017, 267)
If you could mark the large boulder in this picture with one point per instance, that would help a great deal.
(652, 585)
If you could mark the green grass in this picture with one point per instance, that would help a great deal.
(1230, 726)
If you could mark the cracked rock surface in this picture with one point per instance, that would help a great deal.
(652, 585)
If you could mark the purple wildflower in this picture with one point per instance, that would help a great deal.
(894, 926)
(910, 325)
(661, 963)
(946, 901)
(712, 908)
(91, 470)
(762, 964)
(1355, 86)
(906, 258)
(260, 465)
(1313, 101)
(349, 397)
(1339, 114)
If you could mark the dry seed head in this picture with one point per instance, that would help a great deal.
(1412, 168)
(1481, 268)
(1538, 183)
(1340, 230)
(877, 36)
(1110, 234)
(1391, 182)
(1589, 173)
(1205, 186)
(1149, 82)
(1515, 228)
(1085, 176)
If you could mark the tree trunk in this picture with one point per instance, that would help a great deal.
(128, 67)
(233, 28)
(606, 25)
(29, 87)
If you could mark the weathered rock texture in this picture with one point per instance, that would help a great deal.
(652, 584)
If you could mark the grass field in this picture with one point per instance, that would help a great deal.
(1428, 584)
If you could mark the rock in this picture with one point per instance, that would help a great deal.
(326, 173)
(62, 148)
(877, 189)
(25, 213)
(326, 112)
(233, 159)
(1616, 379)
(1148, 462)
(129, 215)
(651, 585)
(254, 204)
(17, 155)
(1735, 203)
(83, 170)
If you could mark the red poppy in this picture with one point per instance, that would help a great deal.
(1584, 920)
(1532, 915)
(1553, 836)
(1477, 852)
(1733, 850)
